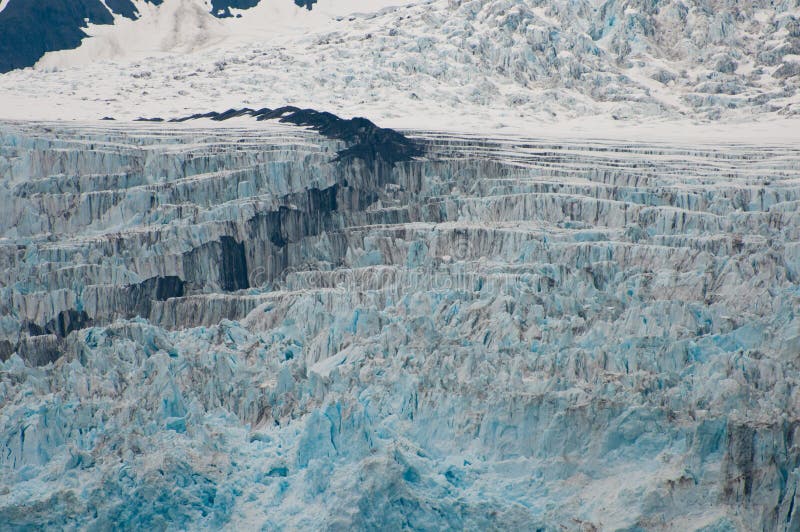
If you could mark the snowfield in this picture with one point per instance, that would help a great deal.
(494, 65)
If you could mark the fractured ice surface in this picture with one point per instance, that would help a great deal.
(208, 328)
(490, 63)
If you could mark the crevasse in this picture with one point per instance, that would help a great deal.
(207, 328)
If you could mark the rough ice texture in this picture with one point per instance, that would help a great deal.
(228, 328)
(497, 63)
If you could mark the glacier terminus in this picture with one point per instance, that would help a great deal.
(263, 328)
(379, 265)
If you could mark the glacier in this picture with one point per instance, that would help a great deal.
(228, 326)
(519, 66)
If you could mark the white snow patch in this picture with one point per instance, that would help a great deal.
(428, 65)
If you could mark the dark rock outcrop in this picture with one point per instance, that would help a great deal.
(308, 4)
(30, 29)
(222, 8)
(365, 140)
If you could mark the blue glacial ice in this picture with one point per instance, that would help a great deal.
(501, 334)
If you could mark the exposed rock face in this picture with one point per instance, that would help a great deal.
(222, 8)
(367, 141)
(242, 328)
(30, 29)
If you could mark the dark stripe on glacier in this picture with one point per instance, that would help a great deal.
(64, 323)
(233, 270)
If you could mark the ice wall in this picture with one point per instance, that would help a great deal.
(225, 328)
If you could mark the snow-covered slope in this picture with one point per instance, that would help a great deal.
(489, 63)
(30, 29)
(501, 334)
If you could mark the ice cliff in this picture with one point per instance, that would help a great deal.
(238, 327)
